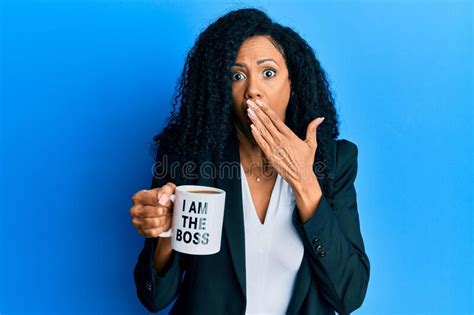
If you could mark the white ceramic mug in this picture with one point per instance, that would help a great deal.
(198, 215)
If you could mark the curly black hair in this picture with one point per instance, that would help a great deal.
(204, 121)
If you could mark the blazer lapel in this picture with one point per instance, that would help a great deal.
(228, 179)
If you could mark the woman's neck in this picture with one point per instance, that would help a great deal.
(252, 157)
(248, 148)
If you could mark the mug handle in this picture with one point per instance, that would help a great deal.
(168, 233)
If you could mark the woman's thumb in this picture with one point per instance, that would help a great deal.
(311, 134)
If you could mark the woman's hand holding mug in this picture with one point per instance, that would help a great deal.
(152, 210)
(152, 213)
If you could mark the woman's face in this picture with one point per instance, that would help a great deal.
(259, 72)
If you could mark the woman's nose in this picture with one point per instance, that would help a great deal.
(253, 90)
(252, 96)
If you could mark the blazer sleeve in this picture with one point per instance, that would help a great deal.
(157, 290)
(333, 239)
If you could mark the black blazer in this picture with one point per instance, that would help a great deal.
(333, 275)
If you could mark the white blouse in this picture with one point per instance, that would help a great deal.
(273, 250)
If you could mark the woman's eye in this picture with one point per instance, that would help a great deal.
(268, 73)
(237, 76)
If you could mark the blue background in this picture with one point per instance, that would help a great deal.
(86, 84)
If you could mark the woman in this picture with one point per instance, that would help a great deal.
(253, 93)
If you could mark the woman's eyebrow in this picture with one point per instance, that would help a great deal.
(243, 65)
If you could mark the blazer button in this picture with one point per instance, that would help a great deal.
(322, 254)
(148, 285)
(316, 241)
(319, 247)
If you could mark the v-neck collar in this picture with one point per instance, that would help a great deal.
(271, 208)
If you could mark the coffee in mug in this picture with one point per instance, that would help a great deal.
(198, 215)
(204, 192)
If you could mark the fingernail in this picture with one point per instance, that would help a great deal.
(321, 119)
(250, 112)
(158, 195)
(163, 200)
(251, 104)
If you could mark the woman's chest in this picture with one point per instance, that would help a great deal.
(261, 193)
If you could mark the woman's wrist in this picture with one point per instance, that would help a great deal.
(162, 253)
(308, 194)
